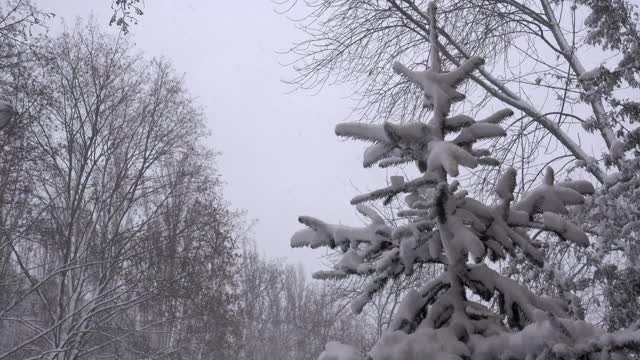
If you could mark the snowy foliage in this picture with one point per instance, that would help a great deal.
(471, 310)
(337, 351)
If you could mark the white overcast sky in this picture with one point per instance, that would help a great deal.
(280, 157)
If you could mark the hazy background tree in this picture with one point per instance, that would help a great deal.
(285, 316)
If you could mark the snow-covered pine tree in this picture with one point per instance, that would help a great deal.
(470, 311)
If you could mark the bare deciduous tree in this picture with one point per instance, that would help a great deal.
(122, 212)
(285, 317)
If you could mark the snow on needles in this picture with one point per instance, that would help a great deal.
(442, 224)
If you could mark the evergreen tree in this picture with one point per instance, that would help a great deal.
(471, 311)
